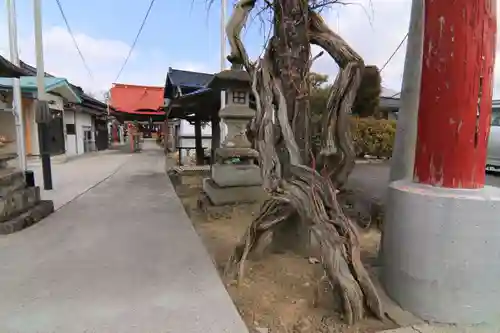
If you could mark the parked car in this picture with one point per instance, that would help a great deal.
(493, 160)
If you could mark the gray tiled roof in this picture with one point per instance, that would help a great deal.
(188, 79)
(32, 70)
(9, 68)
(389, 93)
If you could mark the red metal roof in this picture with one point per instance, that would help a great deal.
(131, 98)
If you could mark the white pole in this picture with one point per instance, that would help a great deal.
(223, 129)
(40, 84)
(40, 70)
(16, 85)
(403, 157)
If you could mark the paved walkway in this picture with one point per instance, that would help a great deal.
(371, 180)
(76, 176)
(123, 257)
(443, 329)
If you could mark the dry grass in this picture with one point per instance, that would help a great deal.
(279, 291)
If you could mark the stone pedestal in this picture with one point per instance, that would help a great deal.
(441, 252)
(20, 206)
(232, 183)
(234, 194)
(227, 175)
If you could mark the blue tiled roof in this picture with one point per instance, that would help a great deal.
(188, 79)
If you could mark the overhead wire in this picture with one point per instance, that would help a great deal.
(75, 43)
(135, 40)
(392, 56)
(394, 53)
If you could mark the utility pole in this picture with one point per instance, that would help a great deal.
(403, 156)
(40, 84)
(223, 7)
(441, 249)
(16, 85)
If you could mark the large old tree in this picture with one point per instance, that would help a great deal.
(302, 197)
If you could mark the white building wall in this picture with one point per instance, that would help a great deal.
(190, 143)
(187, 139)
(75, 142)
(71, 139)
(83, 122)
(55, 102)
(188, 130)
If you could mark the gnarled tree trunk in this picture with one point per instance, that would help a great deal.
(291, 59)
(298, 192)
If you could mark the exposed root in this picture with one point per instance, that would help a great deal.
(304, 191)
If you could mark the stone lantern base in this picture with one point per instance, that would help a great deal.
(232, 183)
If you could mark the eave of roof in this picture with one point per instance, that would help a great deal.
(52, 84)
(92, 100)
(190, 79)
(145, 113)
(11, 69)
(230, 78)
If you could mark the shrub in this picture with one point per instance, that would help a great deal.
(374, 137)
(368, 96)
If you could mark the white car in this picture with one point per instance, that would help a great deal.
(493, 159)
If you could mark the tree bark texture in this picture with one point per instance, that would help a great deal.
(281, 134)
(291, 63)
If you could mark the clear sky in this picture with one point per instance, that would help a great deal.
(185, 34)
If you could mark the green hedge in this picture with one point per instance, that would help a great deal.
(374, 137)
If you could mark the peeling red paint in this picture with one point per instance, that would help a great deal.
(456, 82)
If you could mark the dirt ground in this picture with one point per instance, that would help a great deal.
(278, 291)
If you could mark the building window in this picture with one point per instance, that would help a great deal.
(70, 129)
(239, 97)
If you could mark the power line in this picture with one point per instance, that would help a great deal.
(394, 53)
(74, 39)
(135, 40)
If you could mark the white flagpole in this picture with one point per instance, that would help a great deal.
(223, 129)
(16, 85)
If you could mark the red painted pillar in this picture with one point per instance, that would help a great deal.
(115, 133)
(456, 92)
(131, 136)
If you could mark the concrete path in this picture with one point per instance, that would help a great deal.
(123, 257)
(371, 180)
(76, 176)
(442, 329)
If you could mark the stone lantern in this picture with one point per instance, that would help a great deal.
(235, 176)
